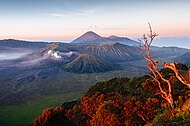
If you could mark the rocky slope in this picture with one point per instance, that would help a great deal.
(87, 63)
(115, 52)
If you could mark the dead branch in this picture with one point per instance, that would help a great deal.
(173, 67)
(152, 65)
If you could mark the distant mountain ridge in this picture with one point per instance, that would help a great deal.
(168, 51)
(180, 41)
(185, 58)
(91, 37)
(123, 40)
(21, 44)
(115, 52)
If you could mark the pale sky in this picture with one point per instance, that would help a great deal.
(55, 20)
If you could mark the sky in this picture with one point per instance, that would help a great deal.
(64, 20)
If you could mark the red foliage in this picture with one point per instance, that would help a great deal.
(82, 113)
(139, 113)
(89, 105)
(147, 111)
(52, 117)
(41, 120)
(130, 112)
(106, 115)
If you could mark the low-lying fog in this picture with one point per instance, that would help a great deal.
(12, 55)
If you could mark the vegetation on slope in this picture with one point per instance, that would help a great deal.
(124, 101)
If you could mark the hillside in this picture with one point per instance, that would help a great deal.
(168, 51)
(87, 63)
(185, 58)
(125, 101)
(115, 52)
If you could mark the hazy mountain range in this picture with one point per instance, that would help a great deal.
(185, 58)
(92, 38)
(25, 65)
(173, 41)
(33, 70)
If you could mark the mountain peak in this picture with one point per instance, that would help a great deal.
(90, 32)
(89, 37)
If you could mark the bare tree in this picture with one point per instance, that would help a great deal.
(152, 66)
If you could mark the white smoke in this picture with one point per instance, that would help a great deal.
(50, 51)
(54, 54)
(69, 54)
